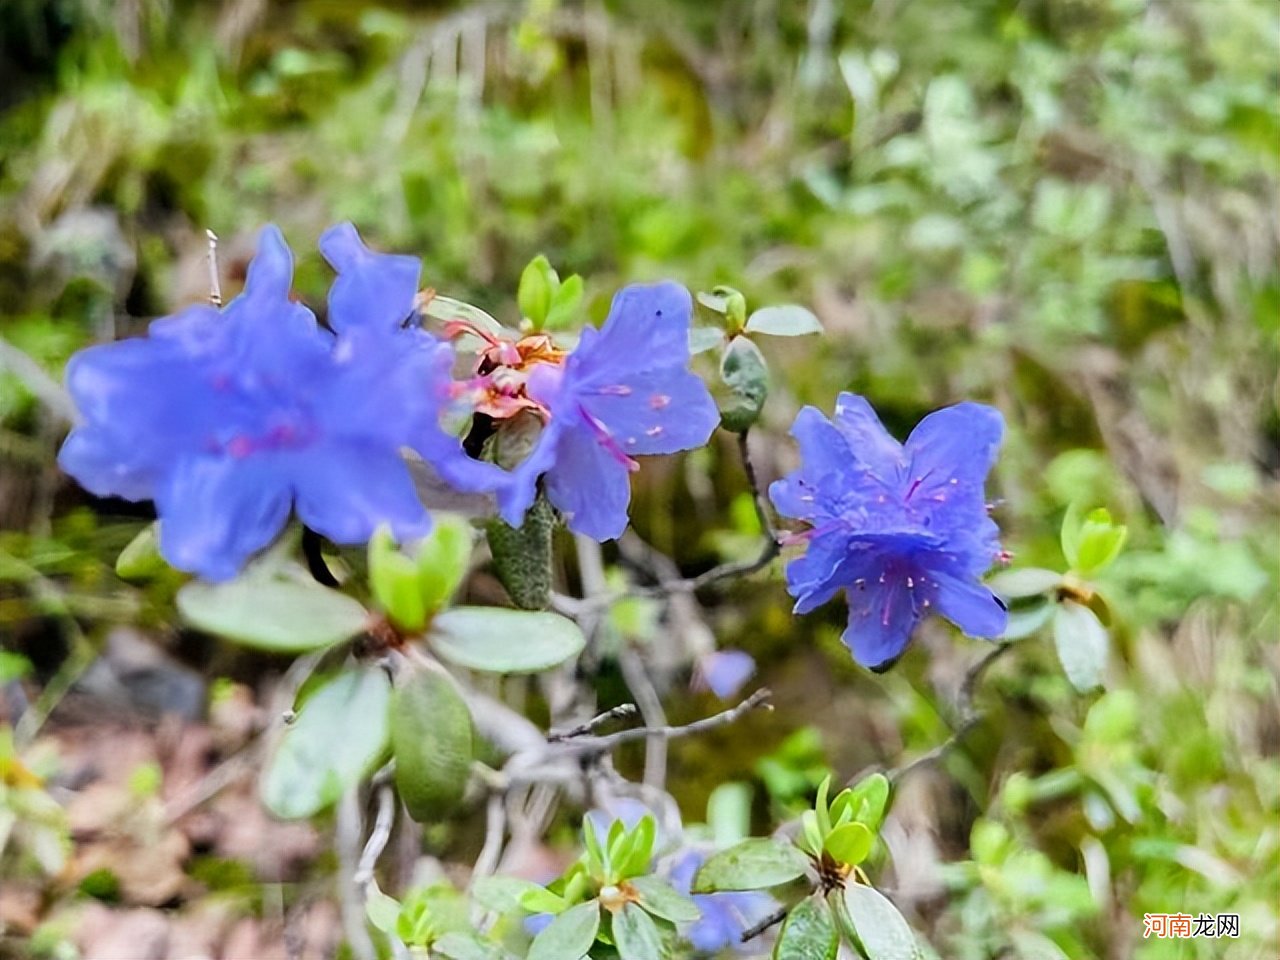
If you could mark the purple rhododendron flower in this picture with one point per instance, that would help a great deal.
(625, 390)
(724, 915)
(230, 418)
(723, 672)
(901, 528)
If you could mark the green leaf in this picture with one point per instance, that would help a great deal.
(1024, 582)
(538, 283)
(809, 933)
(880, 929)
(339, 737)
(784, 321)
(272, 613)
(467, 946)
(141, 559)
(811, 831)
(1099, 542)
(1071, 523)
(729, 813)
(538, 899)
(443, 559)
(498, 640)
(431, 738)
(868, 799)
(501, 894)
(1024, 621)
(849, 843)
(394, 580)
(702, 339)
(661, 899)
(565, 303)
(746, 374)
(822, 808)
(634, 854)
(635, 934)
(1082, 644)
(751, 865)
(569, 936)
(383, 911)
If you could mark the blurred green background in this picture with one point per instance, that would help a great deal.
(1067, 208)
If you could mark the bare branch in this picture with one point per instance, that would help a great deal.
(620, 712)
(969, 717)
(599, 745)
(641, 686)
(764, 924)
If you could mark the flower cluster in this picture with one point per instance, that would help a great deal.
(232, 419)
(903, 529)
(229, 419)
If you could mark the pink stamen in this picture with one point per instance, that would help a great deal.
(607, 441)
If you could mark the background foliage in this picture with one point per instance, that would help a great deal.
(1063, 207)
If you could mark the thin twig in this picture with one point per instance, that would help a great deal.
(641, 686)
(598, 745)
(377, 841)
(620, 712)
(764, 924)
(969, 717)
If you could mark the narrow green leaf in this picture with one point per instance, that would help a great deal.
(1025, 621)
(339, 736)
(1072, 522)
(443, 559)
(788, 320)
(822, 808)
(640, 850)
(1024, 582)
(661, 899)
(850, 843)
(702, 339)
(569, 936)
(501, 894)
(498, 640)
(565, 303)
(467, 946)
(635, 935)
(383, 911)
(809, 933)
(537, 286)
(751, 865)
(729, 813)
(869, 799)
(811, 832)
(1099, 542)
(538, 899)
(746, 375)
(1082, 644)
(272, 613)
(881, 931)
(431, 737)
(141, 559)
(394, 580)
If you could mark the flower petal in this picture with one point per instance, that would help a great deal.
(346, 490)
(881, 618)
(969, 605)
(656, 411)
(374, 290)
(270, 272)
(723, 672)
(216, 512)
(957, 443)
(869, 441)
(588, 485)
(647, 328)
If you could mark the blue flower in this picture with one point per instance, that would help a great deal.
(724, 672)
(625, 390)
(724, 915)
(228, 419)
(901, 528)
